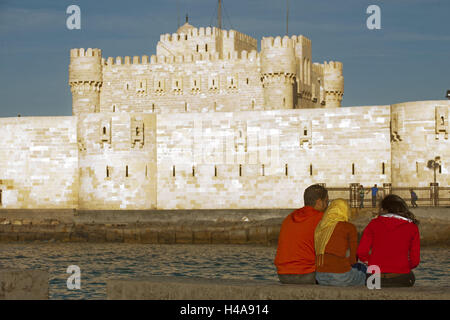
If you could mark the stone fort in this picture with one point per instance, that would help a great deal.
(211, 123)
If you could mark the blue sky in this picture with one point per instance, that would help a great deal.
(407, 60)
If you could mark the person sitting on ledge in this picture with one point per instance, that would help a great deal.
(334, 235)
(295, 258)
(394, 240)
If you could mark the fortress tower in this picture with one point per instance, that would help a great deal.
(278, 72)
(334, 84)
(189, 40)
(85, 79)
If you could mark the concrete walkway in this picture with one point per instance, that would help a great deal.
(23, 284)
(244, 226)
(180, 288)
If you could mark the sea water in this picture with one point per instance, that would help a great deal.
(99, 262)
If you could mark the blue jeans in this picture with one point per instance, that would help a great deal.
(354, 277)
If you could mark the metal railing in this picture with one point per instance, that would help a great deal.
(432, 196)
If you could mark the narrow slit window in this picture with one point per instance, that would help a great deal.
(286, 169)
(193, 171)
(215, 171)
(107, 171)
(262, 170)
(206, 47)
(146, 171)
(383, 168)
(104, 130)
(185, 106)
(310, 170)
(353, 169)
(247, 80)
(240, 170)
(126, 171)
(173, 171)
(153, 107)
(440, 169)
(1, 196)
(197, 48)
(114, 108)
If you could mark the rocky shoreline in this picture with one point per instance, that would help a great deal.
(180, 227)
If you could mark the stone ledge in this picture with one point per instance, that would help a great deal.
(180, 288)
(17, 284)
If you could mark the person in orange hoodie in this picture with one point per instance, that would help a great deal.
(295, 258)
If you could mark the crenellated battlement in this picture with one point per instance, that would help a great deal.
(284, 42)
(194, 33)
(301, 39)
(277, 42)
(251, 56)
(81, 52)
(332, 66)
(191, 33)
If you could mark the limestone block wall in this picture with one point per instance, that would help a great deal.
(38, 162)
(191, 83)
(117, 161)
(85, 79)
(419, 133)
(297, 147)
(236, 41)
(189, 41)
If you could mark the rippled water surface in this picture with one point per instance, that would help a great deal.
(99, 262)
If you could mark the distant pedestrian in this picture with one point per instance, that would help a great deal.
(374, 190)
(414, 198)
(361, 196)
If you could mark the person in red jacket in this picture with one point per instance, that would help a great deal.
(394, 240)
(295, 258)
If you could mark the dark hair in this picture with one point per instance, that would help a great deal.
(395, 204)
(314, 193)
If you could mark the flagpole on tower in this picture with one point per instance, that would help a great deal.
(287, 17)
(219, 15)
(178, 14)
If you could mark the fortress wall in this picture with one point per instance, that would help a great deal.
(178, 44)
(338, 139)
(235, 41)
(38, 162)
(225, 96)
(115, 150)
(416, 142)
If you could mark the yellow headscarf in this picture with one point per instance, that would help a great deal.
(338, 210)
